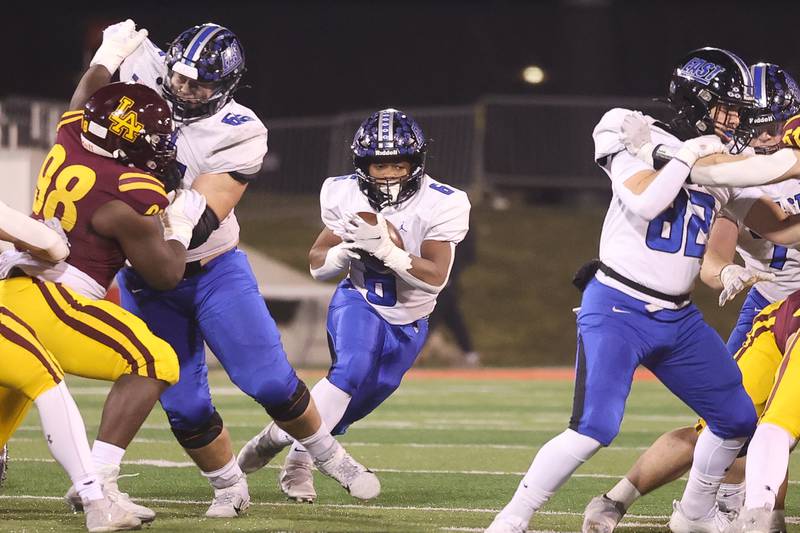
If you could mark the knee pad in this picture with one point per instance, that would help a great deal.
(200, 436)
(295, 406)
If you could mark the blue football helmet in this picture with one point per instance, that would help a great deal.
(387, 136)
(704, 79)
(777, 98)
(209, 57)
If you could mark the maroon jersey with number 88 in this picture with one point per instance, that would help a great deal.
(74, 182)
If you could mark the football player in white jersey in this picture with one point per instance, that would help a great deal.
(636, 306)
(772, 270)
(220, 146)
(378, 317)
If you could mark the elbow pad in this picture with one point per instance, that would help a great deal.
(205, 227)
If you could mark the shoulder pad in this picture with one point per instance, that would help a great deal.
(144, 193)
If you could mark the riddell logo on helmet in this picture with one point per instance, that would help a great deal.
(700, 70)
(125, 122)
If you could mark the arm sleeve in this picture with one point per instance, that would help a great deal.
(658, 195)
(31, 233)
(755, 170)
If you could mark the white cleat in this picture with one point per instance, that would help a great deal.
(297, 481)
(108, 475)
(231, 501)
(105, 515)
(357, 479)
(602, 515)
(259, 450)
(507, 524)
(715, 522)
(752, 521)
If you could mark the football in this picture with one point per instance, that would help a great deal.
(370, 261)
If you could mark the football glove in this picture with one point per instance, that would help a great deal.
(119, 41)
(736, 278)
(375, 240)
(635, 135)
(694, 149)
(337, 259)
(182, 214)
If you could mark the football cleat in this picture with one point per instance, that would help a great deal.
(259, 450)
(3, 464)
(602, 515)
(231, 501)
(357, 479)
(296, 480)
(715, 522)
(507, 524)
(108, 475)
(752, 521)
(105, 515)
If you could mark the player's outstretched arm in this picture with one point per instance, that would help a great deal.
(31, 235)
(119, 41)
(742, 171)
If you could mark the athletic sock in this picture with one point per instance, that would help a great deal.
(767, 459)
(730, 496)
(331, 402)
(104, 453)
(321, 445)
(712, 458)
(66, 438)
(226, 476)
(624, 492)
(551, 468)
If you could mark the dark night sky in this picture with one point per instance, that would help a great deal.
(315, 58)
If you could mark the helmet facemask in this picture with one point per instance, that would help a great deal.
(390, 191)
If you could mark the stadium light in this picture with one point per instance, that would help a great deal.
(533, 74)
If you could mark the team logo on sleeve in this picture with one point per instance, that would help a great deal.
(125, 121)
(700, 70)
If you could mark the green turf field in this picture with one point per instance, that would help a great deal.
(449, 453)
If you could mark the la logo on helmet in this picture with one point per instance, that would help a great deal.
(124, 121)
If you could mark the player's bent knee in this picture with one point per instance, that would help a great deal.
(738, 423)
(200, 436)
(292, 408)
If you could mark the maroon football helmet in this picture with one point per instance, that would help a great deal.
(131, 123)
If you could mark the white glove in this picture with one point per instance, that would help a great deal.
(181, 216)
(119, 41)
(635, 135)
(736, 278)
(694, 149)
(375, 240)
(337, 259)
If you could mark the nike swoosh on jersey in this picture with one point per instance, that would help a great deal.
(616, 309)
